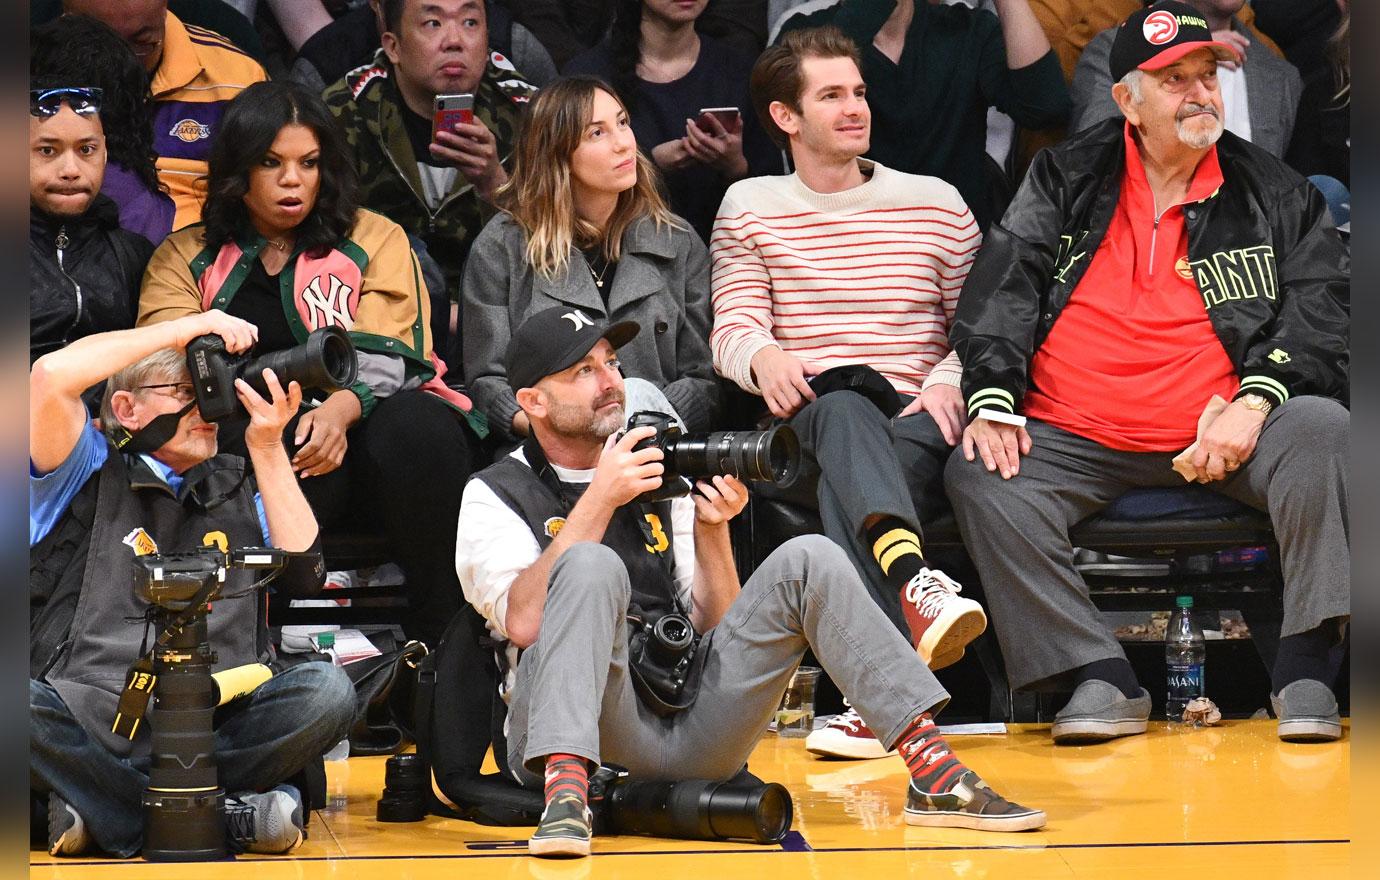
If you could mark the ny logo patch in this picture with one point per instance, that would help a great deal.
(330, 307)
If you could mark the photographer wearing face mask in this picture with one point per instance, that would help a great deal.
(568, 566)
(154, 483)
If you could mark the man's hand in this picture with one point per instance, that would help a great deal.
(672, 155)
(944, 403)
(719, 502)
(716, 146)
(267, 420)
(1236, 41)
(1000, 445)
(472, 150)
(320, 436)
(781, 377)
(1228, 442)
(239, 334)
(623, 474)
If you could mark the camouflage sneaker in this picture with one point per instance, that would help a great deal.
(564, 830)
(969, 804)
(67, 834)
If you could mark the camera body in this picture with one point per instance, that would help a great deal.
(771, 456)
(661, 655)
(184, 799)
(326, 361)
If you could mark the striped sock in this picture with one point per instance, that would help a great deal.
(896, 547)
(566, 776)
(933, 767)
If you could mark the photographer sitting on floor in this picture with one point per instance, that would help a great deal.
(154, 483)
(557, 551)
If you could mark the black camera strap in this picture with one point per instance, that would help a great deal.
(139, 680)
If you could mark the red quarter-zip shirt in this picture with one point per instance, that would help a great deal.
(1132, 359)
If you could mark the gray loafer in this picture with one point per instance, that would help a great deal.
(1099, 711)
(1307, 712)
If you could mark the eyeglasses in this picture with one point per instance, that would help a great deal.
(182, 392)
(44, 103)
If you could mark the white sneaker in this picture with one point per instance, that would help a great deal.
(941, 622)
(846, 736)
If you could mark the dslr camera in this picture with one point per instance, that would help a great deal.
(770, 456)
(326, 361)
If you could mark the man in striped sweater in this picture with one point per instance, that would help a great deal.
(847, 262)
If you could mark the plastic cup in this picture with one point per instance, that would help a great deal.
(796, 716)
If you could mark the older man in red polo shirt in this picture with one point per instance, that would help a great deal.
(1149, 270)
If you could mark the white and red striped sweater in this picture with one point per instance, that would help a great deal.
(868, 275)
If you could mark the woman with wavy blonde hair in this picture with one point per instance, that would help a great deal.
(584, 225)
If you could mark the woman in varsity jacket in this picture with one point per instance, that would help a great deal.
(584, 225)
(284, 246)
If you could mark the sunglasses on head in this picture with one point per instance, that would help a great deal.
(47, 102)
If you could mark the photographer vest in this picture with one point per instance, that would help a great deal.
(536, 494)
(86, 617)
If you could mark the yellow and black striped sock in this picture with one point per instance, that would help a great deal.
(896, 547)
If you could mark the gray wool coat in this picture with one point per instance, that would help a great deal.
(661, 282)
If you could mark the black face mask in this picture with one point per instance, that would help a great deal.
(153, 435)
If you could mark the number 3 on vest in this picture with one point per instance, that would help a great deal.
(658, 535)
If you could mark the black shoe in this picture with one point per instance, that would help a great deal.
(67, 834)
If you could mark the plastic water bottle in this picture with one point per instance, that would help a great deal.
(325, 643)
(1185, 659)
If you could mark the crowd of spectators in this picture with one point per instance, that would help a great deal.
(787, 198)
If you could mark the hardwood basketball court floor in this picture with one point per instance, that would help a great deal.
(1227, 801)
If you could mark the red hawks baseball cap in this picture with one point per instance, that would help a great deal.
(1159, 35)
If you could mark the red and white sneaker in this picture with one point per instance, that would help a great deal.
(941, 622)
(846, 736)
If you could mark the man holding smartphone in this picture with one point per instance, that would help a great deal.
(433, 179)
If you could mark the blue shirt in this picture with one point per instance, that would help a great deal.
(51, 494)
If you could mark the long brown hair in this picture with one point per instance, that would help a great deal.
(538, 194)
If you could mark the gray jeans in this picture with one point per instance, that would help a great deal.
(574, 694)
(1017, 530)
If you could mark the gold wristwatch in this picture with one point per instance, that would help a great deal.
(1256, 402)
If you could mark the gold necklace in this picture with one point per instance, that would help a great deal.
(279, 245)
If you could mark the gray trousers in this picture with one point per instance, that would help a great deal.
(574, 694)
(1017, 530)
(857, 463)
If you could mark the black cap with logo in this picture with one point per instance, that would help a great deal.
(555, 339)
(1161, 34)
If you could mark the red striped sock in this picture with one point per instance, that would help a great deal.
(566, 776)
(933, 766)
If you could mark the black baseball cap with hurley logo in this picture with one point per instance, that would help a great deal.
(556, 338)
(1159, 35)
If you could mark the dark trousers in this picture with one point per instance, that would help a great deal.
(404, 472)
(857, 463)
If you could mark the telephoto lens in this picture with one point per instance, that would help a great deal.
(770, 456)
(406, 784)
(326, 361)
(697, 809)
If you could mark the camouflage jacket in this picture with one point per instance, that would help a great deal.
(369, 106)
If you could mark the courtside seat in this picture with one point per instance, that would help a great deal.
(346, 551)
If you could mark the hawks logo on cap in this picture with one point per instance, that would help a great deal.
(190, 131)
(1160, 27)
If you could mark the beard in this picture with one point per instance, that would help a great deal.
(1203, 135)
(587, 423)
